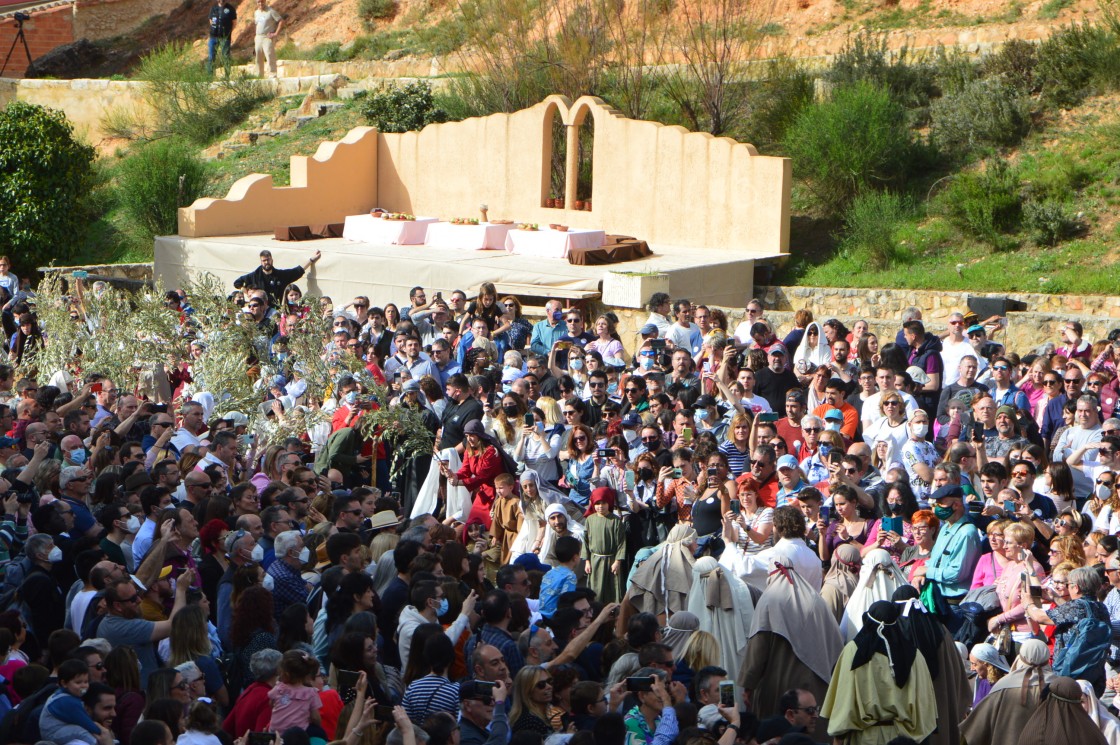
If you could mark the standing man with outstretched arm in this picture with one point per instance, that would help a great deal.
(272, 280)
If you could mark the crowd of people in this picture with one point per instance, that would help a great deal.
(472, 529)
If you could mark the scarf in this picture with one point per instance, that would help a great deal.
(881, 634)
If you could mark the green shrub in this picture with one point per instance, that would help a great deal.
(953, 71)
(1015, 63)
(1049, 221)
(1076, 62)
(866, 58)
(188, 102)
(1050, 9)
(986, 203)
(985, 112)
(869, 226)
(46, 176)
(402, 108)
(374, 10)
(776, 101)
(156, 180)
(856, 141)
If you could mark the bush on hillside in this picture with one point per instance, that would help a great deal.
(374, 10)
(857, 141)
(1077, 62)
(402, 108)
(1049, 221)
(986, 203)
(1015, 64)
(867, 59)
(776, 101)
(156, 180)
(986, 112)
(869, 226)
(46, 177)
(189, 102)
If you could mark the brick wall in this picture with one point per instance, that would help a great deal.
(47, 29)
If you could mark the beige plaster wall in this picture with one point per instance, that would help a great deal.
(338, 180)
(663, 184)
(85, 102)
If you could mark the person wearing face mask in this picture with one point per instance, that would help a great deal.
(918, 455)
(239, 547)
(956, 550)
(118, 523)
(428, 604)
(73, 451)
(48, 611)
(289, 587)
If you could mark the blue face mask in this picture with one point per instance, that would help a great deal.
(576, 364)
(647, 363)
(825, 449)
(507, 387)
(612, 388)
(351, 398)
(77, 456)
(442, 610)
(701, 415)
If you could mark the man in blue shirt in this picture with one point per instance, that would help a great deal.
(442, 363)
(547, 332)
(496, 615)
(957, 548)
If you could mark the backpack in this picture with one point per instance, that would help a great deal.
(1085, 649)
(15, 571)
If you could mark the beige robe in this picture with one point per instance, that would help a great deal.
(769, 669)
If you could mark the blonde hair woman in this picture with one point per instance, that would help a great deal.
(700, 651)
(532, 693)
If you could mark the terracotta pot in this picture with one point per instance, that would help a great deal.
(587, 205)
(579, 204)
(550, 202)
(559, 204)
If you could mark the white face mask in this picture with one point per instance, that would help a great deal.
(267, 582)
(55, 555)
(1102, 491)
(304, 555)
(920, 430)
(832, 426)
(630, 435)
(258, 553)
(133, 525)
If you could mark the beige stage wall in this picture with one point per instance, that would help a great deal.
(663, 184)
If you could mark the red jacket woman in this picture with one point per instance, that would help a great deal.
(481, 465)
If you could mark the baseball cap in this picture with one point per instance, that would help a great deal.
(949, 491)
(778, 349)
(648, 329)
(975, 329)
(834, 414)
(1006, 409)
(410, 385)
(631, 420)
(787, 461)
(704, 401)
(917, 374)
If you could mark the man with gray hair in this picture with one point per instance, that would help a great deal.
(45, 599)
(74, 483)
(239, 550)
(813, 461)
(193, 425)
(1083, 436)
(288, 586)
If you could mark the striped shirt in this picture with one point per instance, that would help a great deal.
(425, 696)
(737, 461)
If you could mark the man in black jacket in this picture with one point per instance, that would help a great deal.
(222, 17)
(266, 276)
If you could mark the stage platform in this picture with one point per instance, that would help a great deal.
(716, 276)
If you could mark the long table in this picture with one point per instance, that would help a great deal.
(552, 244)
(471, 237)
(382, 232)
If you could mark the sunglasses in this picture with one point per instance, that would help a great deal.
(650, 439)
(596, 384)
(1000, 367)
(542, 684)
(1051, 382)
(813, 429)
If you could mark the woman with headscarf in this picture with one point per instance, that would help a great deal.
(881, 686)
(1104, 719)
(999, 719)
(879, 577)
(793, 643)
(677, 632)
(604, 550)
(946, 669)
(841, 580)
(481, 464)
(534, 497)
(989, 666)
(1061, 718)
(724, 606)
(812, 351)
(660, 585)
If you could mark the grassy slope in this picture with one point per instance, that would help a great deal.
(1080, 150)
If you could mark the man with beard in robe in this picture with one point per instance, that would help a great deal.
(794, 643)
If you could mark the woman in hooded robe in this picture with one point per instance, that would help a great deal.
(678, 630)
(813, 350)
(1061, 718)
(572, 527)
(660, 585)
(947, 671)
(879, 577)
(793, 643)
(989, 666)
(881, 687)
(999, 719)
(841, 580)
(1099, 713)
(723, 604)
(605, 547)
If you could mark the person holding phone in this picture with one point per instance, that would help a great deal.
(754, 520)
(1021, 568)
(653, 719)
(847, 527)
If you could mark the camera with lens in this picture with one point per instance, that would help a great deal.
(21, 17)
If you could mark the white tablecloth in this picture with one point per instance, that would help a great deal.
(552, 244)
(485, 235)
(382, 232)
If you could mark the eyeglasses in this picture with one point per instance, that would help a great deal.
(1071, 380)
(633, 390)
(1020, 473)
(812, 429)
(98, 666)
(891, 403)
(353, 512)
(182, 685)
(956, 323)
(581, 438)
(542, 684)
(133, 599)
(1000, 367)
(650, 439)
(1051, 382)
(569, 412)
(849, 470)
(596, 384)
(807, 709)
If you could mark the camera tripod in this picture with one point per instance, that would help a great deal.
(20, 37)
